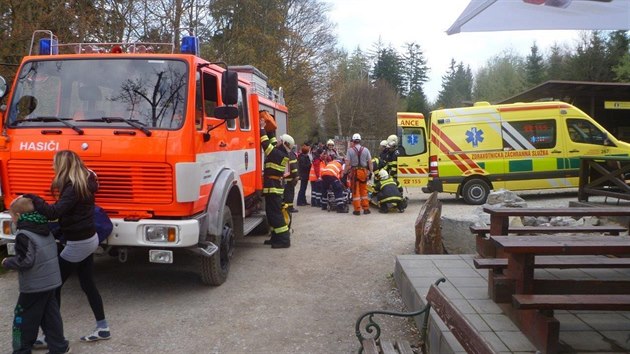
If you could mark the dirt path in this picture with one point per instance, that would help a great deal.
(304, 299)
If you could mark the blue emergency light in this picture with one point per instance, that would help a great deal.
(48, 46)
(190, 45)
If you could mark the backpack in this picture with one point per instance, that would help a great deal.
(104, 226)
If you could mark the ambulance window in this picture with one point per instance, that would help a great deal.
(412, 141)
(538, 134)
(243, 116)
(585, 132)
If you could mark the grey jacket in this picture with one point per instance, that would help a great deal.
(36, 263)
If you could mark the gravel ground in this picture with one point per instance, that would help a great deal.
(304, 299)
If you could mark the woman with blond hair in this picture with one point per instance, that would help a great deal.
(73, 188)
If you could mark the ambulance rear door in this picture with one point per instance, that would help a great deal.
(413, 161)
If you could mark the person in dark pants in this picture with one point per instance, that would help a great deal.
(39, 277)
(304, 167)
(276, 160)
(290, 181)
(73, 187)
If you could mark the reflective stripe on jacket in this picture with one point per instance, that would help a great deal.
(334, 169)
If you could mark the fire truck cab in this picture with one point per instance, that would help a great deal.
(173, 138)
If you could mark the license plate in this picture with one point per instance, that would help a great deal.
(11, 249)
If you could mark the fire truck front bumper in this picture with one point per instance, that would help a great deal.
(141, 233)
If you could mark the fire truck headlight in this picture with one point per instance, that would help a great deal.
(161, 233)
(8, 228)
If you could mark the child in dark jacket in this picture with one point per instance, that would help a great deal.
(39, 277)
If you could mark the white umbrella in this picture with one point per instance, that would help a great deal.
(512, 15)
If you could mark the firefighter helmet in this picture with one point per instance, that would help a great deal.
(287, 140)
(382, 174)
(330, 142)
(383, 143)
(392, 138)
(356, 136)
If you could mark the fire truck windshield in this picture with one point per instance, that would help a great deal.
(149, 93)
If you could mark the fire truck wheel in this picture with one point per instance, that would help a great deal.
(214, 269)
(475, 191)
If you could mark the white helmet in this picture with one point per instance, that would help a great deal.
(383, 143)
(288, 140)
(356, 136)
(392, 138)
(391, 144)
(382, 174)
(330, 142)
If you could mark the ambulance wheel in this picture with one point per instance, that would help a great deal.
(214, 269)
(475, 191)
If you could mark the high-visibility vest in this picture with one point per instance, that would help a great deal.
(332, 169)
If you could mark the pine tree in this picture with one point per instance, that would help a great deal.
(534, 67)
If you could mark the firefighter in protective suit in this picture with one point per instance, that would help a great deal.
(276, 160)
(387, 193)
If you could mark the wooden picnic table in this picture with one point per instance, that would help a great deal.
(500, 220)
(518, 282)
(500, 217)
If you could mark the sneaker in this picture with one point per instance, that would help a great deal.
(366, 211)
(40, 343)
(98, 334)
(356, 212)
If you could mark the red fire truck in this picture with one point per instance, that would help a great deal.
(173, 138)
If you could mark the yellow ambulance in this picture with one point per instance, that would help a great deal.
(519, 146)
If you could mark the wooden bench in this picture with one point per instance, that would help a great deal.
(598, 302)
(483, 231)
(558, 262)
(470, 339)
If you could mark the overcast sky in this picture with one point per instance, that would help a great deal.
(396, 22)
